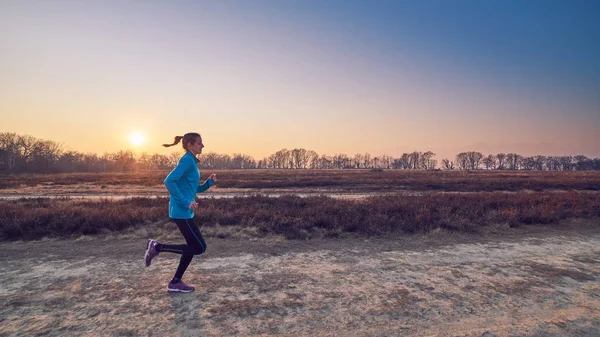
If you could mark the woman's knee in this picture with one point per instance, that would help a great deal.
(199, 249)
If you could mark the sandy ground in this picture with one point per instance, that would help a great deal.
(531, 281)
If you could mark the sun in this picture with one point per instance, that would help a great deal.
(137, 138)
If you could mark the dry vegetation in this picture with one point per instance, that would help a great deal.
(363, 180)
(534, 198)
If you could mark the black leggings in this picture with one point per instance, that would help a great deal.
(195, 245)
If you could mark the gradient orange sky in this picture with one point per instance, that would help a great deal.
(253, 77)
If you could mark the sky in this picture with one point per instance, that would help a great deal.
(257, 76)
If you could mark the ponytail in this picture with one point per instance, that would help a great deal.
(187, 139)
(177, 140)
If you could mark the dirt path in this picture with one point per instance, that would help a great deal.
(544, 284)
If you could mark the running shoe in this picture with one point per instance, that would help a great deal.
(151, 252)
(180, 287)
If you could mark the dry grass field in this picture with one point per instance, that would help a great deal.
(319, 180)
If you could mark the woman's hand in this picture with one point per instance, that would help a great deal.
(193, 205)
(213, 177)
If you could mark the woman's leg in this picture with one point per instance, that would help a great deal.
(195, 245)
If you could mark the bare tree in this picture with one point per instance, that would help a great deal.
(426, 160)
(540, 162)
(70, 161)
(462, 161)
(581, 162)
(282, 159)
(376, 162)
(313, 159)
(240, 161)
(367, 160)
(26, 147)
(44, 156)
(526, 163)
(237, 161)
(474, 159)
(174, 158)
(413, 160)
(566, 163)
(405, 161)
(341, 161)
(299, 158)
(490, 162)
(122, 161)
(501, 161)
(93, 163)
(159, 161)
(357, 161)
(386, 161)
(9, 151)
(144, 161)
(28, 154)
(553, 163)
(447, 164)
(209, 160)
(512, 161)
(325, 162)
(224, 161)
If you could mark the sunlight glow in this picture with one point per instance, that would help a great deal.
(137, 138)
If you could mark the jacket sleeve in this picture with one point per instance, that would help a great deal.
(204, 186)
(171, 182)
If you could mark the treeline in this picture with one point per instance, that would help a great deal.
(27, 154)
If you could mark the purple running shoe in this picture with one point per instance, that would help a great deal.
(151, 252)
(179, 287)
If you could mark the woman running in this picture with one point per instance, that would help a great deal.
(183, 184)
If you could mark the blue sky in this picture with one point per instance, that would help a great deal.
(332, 76)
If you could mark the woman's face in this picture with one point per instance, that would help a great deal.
(196, 147)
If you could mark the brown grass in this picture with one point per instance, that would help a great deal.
(300, 218)
(547, 271)
(363, 180)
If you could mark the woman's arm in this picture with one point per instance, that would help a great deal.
(171, 180)
(207, 184)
